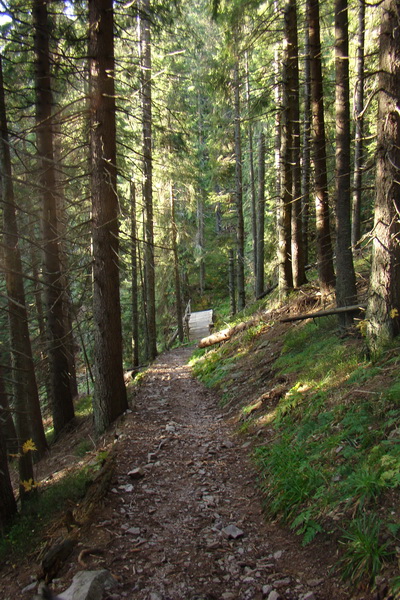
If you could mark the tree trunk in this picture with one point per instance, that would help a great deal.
(110, 398)
(305, 166)
(231, 283)
(323, 238)
(200, 234)
(277, 124)
(146, 85)
(142, 272)
(7, 426)
(8, 506)
(25, 385)
(260, 216)
(383, 312)
(359, 128)
(201, 200)
(62, 219)
(239, 193)
(298, 264)
(134, 275)
(178, 296)
(43, 374)
(285, 206)
(62, 402)
(346, 292)
(251, 173)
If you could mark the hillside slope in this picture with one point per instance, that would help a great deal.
(324, 425)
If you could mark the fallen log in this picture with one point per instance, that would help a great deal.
(324, 313)
(225, 334)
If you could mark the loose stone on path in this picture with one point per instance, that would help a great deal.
(190, 526)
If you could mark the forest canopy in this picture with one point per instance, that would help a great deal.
(159, 153)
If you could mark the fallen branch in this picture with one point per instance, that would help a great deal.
(324, 313)
(267, 291)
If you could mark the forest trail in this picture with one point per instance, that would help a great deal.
(170, 535)
(183, 519)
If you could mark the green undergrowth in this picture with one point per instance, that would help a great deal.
(223, 317)
(214, 364)
(331, 460)
(39, 511)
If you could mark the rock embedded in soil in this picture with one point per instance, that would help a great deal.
(280, 583)
(273, 595)
(137, 473)
(232, 532)
(87, 585)
(308, 596)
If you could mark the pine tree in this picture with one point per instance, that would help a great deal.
(147, 124)
(383, 312)
(323, 233)
(62, 401)
(25, 387)
(346, 293)
(110, 398)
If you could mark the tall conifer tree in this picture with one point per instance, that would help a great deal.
(110, 398)
(346, 293)
(62, 402)
(383, 313)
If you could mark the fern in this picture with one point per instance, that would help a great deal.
(304, 525)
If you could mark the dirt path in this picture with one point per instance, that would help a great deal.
(188, 525)
(171, 534)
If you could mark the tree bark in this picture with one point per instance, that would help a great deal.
(251, 173)
(62, 219)
(359, 128)
(383, 313)
(25, 385)
(285, 205)
(277, 126)
(346, 292)
(8, 506)
(7, 426)
(239, 192)
(178, 295)
(305, 166)
(231, 282)
(110, 398)
(356, 308)
(200, 237)
(297, 252)
(225, 334)
(134, 275)
(260, 216)
(201, 199)
(323, 234)
(62, 402)
(146, 91)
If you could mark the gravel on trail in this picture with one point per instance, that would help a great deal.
(183, 519)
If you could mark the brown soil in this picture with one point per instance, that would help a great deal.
(163, 535)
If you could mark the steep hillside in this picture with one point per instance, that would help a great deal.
(323, 423)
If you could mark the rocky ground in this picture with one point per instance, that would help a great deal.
(183, 517)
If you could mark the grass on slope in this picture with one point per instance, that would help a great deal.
(330, 462)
